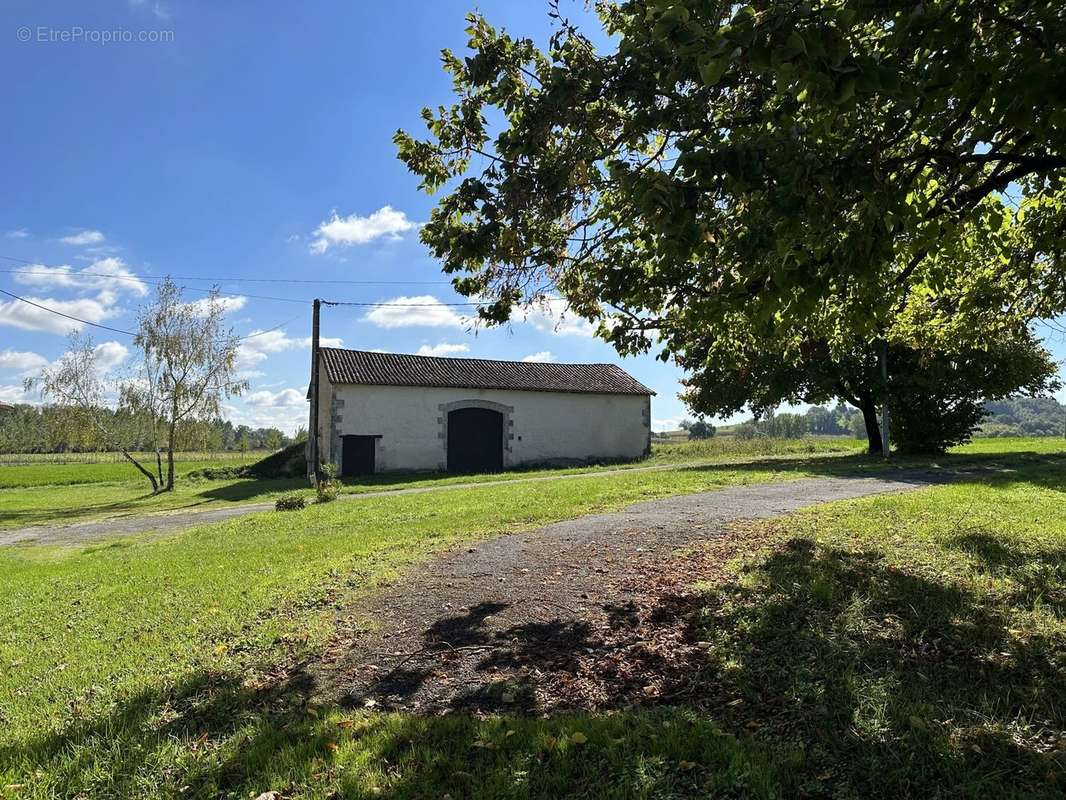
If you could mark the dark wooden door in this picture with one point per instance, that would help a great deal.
(357, 455)
(475, 440)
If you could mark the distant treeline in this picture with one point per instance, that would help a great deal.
(1024, 416)
(44, 429)
(1019, 416)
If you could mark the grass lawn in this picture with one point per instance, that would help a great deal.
(902, 645)
(60, 494)
(42, 494)
(37, 470)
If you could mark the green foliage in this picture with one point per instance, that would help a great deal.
(838, 421)
(327, 488)
(764, 158)
(290, 502)
(701, 429)
(937, 402)
(763, 192)
(784, 426)
(1024, 416)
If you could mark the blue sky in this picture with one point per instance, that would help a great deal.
(241, 140)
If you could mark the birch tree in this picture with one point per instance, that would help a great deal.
(188, 364)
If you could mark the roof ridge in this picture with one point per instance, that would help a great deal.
(476, 358)
(370, 368)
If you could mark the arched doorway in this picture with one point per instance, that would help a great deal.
(475, 440)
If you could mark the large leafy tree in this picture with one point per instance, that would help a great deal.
(812, 172)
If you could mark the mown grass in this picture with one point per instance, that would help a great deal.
(41, 494)
(872, 647)
(95, 641)
(915, 644)
(45, 474)
(25, 501)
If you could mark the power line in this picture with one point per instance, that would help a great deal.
(136, 278)
(67, 316)
(119, 330)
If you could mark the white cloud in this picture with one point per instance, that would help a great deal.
(18, 233)
(105, 274)
(286, 398)
(255, 347)
(83, 237)
(345, 231)
(110, 354)
(559, 322)
(442, 349)
(24, 361)
(13, 394)
(30, 318)
(229, 304)
(539, 358)
(428, 311)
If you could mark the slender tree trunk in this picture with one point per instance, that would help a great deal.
(873, 428)
(158, 462)
(170, 459)
(146, 473)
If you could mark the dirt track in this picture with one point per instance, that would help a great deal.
(458, 631)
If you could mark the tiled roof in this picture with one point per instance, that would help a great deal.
(396, 369)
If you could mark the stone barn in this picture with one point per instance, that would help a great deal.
(387, 411)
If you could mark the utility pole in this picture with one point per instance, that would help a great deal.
(313, 453)
(884, 402)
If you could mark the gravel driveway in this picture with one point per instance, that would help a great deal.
(454, 630)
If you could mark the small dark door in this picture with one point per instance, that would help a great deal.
(357, 455)
(475, 440)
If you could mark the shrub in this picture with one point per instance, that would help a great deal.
(327, 488)
(219, 473)
(290, 502)
(700, 429)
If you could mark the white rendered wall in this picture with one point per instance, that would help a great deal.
(538, 426)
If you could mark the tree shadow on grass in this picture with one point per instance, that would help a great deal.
(212, 736)
(247, 489)
(1046, 470)
(900, 683)
(820, 672)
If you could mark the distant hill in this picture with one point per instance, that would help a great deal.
(1017, 416)
(1024, 416)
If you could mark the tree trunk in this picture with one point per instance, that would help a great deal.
(158, 462)
(146, 473)
(170, 460)
(873, 427)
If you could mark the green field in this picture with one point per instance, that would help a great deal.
(45, 473)
(907, 645)
(59, 494)
(43, 494)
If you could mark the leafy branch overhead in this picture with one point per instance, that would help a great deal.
(773, 155)
(827, 172)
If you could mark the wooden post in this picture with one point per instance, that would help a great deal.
(884, 401)
(313, 450)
